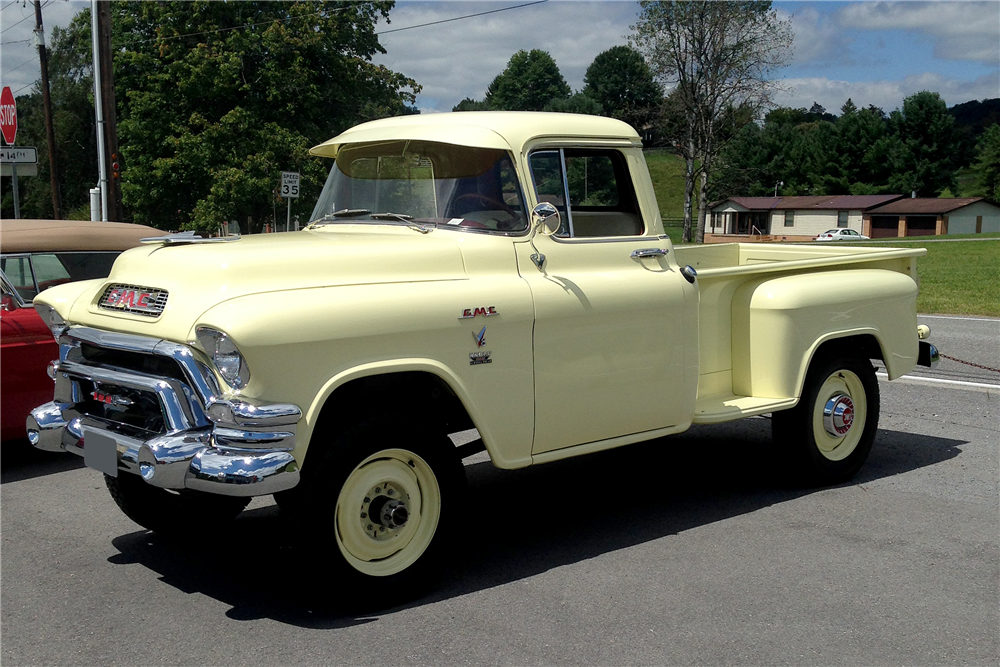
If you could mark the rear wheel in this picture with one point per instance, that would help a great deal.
(827, 437)
(171, 512)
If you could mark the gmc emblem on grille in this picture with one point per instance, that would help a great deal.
(128, 298)
(136, 299)
(110, 399)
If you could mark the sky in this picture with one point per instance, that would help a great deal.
(873, 52)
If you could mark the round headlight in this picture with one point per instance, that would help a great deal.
(225, 357)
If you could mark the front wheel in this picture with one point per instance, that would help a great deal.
(378, 508)
(827, 437)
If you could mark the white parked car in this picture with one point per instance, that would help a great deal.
(841, 235)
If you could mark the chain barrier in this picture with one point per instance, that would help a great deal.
(969, 363)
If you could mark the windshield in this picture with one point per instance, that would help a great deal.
(423, 182)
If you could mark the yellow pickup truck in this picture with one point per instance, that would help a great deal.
(505, 272)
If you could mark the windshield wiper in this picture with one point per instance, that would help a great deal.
(402, 217)
(342, 213)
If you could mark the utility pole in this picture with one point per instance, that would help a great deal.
(112, 157)
(99, 112)
(50, 135)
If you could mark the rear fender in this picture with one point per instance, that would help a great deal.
(780, 323)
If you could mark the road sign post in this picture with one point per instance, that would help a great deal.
(8, 127)
(290, 191)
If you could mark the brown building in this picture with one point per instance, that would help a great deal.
(924, 216)
(743, 219)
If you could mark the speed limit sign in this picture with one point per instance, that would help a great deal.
(290, 184)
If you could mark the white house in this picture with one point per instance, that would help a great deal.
(788, 218)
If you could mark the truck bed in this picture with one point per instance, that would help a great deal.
(729, 275)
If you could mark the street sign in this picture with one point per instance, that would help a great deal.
(290, 184)
(19, 154)
(25, 157)
(8, 116)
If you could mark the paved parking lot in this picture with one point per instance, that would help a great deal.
(682, 550)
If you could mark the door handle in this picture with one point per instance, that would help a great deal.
(648, 252)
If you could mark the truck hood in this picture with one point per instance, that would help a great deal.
(199, 276)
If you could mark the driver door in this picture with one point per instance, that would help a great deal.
(615, 342)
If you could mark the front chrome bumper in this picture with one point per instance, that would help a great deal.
(206, 443)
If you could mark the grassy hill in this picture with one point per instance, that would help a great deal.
(667, 173)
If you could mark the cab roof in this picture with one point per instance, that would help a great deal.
(68, 235)
(503, 130)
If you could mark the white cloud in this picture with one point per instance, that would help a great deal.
(959, 30)
(887, 95)
(817, 39)
(459, 59)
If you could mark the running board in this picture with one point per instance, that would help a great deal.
(715, 409)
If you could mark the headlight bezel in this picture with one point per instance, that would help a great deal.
(225, 355)
(53, 320)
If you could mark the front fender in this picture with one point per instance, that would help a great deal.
(301, 345)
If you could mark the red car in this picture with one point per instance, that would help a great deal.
(35, 255)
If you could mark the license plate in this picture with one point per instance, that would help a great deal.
(100, 452)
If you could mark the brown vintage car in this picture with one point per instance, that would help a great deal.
(35, 255)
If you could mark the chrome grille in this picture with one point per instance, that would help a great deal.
(148, 301)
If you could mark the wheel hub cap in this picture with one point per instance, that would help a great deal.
(838, 415)
(384, 511)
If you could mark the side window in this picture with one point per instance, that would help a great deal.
(598, 186)
(789, 218)
(85, 265)
(18, 272)
(591, 181)
(49, 271)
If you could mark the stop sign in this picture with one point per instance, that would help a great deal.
(8, 116)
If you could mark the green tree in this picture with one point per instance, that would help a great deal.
(719, 57)
(469, 104)
(530, 81)
(622, 83)
(577, 103)
(216, 99)
(988, 163)
(922, 146)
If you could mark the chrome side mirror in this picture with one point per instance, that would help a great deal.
(545, 219)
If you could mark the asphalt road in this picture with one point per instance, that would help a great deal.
(685, 550)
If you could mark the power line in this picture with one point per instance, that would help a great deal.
(30, 60)
(459, 18)
(29, 16)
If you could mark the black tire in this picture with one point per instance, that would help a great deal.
(369, 468)
(174, 513)
(818, 451)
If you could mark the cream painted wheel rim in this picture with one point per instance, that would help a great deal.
(370, 547)
(840, 385)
